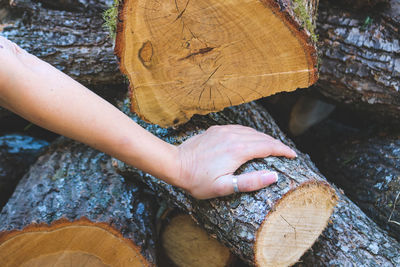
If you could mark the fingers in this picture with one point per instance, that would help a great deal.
(251, 143)
(248, 150)
(246, 182)
(270, 148)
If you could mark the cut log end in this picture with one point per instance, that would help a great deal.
(294, 225)
(195, 57)
(188, 245)
(78, 243)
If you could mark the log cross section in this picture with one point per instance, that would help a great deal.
(188, 57)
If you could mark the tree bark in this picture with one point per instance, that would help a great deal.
(361, 4)
(235, 219)
(75, 42)
(368, 171)
(73, 195)
(361, 60)
(17, 153)
(94, 6)
(239, 221)
(195, 57)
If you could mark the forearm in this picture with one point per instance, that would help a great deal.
(204, 165)
(54, 101)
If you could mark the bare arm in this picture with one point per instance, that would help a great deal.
(203, 165)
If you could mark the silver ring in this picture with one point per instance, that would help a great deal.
(235, 184)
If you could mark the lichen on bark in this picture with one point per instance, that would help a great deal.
(308, 22)
(110, 19)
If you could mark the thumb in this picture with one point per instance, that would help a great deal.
(246, 182)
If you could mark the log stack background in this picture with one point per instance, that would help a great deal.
(356, 148)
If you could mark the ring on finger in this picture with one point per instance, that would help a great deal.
(235, 184)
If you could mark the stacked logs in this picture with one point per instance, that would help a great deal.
(75, 205)
(73, 208)
(361, 59)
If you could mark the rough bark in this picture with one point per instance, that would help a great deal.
(77, 5)
(361, 4)
(368, 171)
(76, 42)
(195, 57)
(217, 215)
(17, 153)
(236, 220)
(361, 59)
(74, 185)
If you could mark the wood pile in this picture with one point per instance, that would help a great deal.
(191, 65)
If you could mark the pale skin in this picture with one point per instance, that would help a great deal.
(203, 165)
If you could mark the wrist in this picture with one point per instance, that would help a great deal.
(174, 168)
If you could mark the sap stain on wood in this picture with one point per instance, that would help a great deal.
(146, 53)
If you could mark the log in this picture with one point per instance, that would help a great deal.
(367, 5)
(352, 239)
(235, 220)
(361, 60)
(368, 171)
(17, 153)
(94, 6)
(72, 208)
(195, 57)
(270, 227)
(185, 244)
(75, 42)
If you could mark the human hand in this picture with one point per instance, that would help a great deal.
(209, 160)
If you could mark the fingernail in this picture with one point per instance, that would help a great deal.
(269, 177)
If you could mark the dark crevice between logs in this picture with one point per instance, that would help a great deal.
(17, 153)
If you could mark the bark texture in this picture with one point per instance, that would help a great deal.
(74, 41)
(217, 215)
(72, 181)
(77, 5)
(361, 4)
(361, 59)
(368, 171)
(17, 153)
